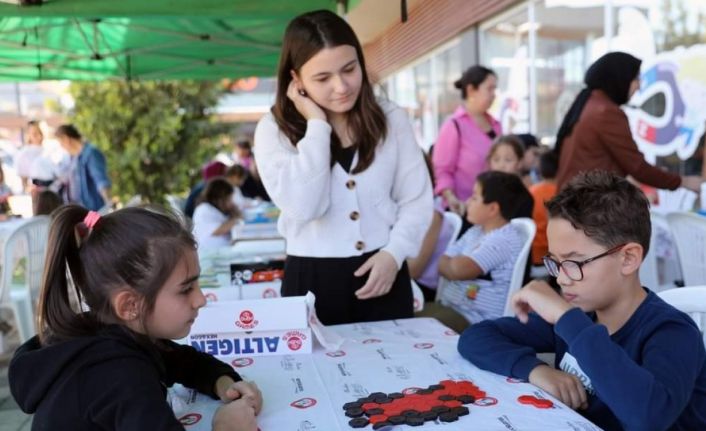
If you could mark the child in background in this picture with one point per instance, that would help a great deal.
(236, 176)
(215, 215)
(109, 368)
(506, 155)
(624, 358)
(480, 263)
(542, 192)
(530, 161)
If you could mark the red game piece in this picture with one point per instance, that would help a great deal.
(540, 403)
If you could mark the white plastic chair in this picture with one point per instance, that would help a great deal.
(680, 199)
(689, 232)
(690, 300)
(22, 300)
(528, 229)
(455, 221)
(655, 272)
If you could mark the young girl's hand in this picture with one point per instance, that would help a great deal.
(236, 416)
(307, 107)
(383, 271)
(245, 390)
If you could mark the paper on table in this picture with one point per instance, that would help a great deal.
(328, 338)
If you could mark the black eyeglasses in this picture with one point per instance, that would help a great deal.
(572, 268)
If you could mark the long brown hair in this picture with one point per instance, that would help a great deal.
(305, 36)
(135, 248)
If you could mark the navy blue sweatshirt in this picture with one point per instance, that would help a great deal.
(649, 375)
(114, 380)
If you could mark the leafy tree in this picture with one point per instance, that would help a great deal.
(155, 135)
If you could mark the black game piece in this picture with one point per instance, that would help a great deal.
(435, 387)
(429, 416)
(440, 409)
(410, 413)
(382, 424)
(424, 391)
(352, 405)
(358, 423)
(364, 400)
(395, 395)
(446, 397)
(382, 400)
(397, 420)
(461, 411)
(354, 412)
(414, 422)
(466, 399)
(448, 417)
(376, 394)
(374, 411)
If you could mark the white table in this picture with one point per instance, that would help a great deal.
(306, 392)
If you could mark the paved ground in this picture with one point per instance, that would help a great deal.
(11, 417)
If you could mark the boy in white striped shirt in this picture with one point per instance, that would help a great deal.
(480, 263)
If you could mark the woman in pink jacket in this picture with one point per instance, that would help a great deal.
(465, 138)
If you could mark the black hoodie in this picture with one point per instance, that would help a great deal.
(114, 380)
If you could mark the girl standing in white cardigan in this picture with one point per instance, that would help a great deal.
(347, 174)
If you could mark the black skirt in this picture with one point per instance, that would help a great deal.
(333, 283)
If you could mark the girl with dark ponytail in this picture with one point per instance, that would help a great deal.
(115, 290)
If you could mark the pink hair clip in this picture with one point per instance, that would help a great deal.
(91, 219)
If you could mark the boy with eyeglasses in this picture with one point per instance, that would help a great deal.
(625, 359)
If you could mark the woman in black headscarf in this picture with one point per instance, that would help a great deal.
(595, 133)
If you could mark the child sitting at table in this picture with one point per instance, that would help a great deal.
(215, 215)
(624, 357)
(480, 263)
(136, 273)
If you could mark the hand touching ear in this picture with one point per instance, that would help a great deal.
(307, 107)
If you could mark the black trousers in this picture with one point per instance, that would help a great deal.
(333, 283)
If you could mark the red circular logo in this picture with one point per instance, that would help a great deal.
(410, 391)
(294, 343)
(190, 419)
(269, 293)
(372, 341)
(336, 354)
(242, 362)
(450, 332)
(211, 297)
(423, 345)
(246, 317)
(303, 403)
(514, 380)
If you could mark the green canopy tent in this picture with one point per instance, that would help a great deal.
(146, 39)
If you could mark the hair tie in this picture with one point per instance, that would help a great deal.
(91, 219)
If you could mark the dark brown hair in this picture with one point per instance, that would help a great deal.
(132, 248)
(305, 36)
(216, 190)
(473, 76)
(511, 140)
(606, 207)
(68, 130)
(507, 190)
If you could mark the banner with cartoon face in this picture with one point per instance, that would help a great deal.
(668, 113)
